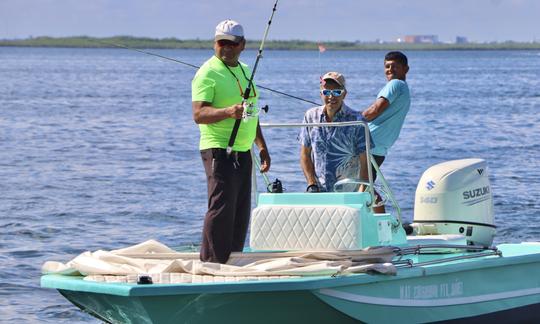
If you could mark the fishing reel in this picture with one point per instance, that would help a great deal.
(250, 111)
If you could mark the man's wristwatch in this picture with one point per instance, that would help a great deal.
(313, 188)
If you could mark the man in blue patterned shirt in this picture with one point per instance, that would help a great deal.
(329, 154)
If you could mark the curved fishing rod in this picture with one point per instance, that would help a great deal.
(250, 84)
(197, 67)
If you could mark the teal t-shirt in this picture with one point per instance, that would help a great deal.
(386, 127)
(214, 83)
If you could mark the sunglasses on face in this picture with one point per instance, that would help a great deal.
(224, 42)
(334, 93)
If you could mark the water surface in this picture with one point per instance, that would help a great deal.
(98, 148)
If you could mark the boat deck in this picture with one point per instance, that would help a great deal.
(511, 254)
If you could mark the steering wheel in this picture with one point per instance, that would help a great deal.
(339, 186)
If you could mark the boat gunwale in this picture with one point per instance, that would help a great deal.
(76, 283)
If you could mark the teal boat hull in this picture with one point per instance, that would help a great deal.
(476, 289)
(288, 307)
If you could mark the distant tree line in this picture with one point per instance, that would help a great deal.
(172, 43)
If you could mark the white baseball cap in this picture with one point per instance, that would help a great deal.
(229, 30)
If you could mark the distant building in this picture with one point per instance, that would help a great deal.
(421, 39)
(461, 40)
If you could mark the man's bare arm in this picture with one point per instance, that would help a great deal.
(307, 165)
(376, 108)
(263, 150)
(204, 113)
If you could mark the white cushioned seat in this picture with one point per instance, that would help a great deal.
(328, 227)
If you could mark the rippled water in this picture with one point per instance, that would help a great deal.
(98, 148)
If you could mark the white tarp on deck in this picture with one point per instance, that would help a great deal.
(165, 265)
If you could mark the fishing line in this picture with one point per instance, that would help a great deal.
(147, 53)
(197, 67)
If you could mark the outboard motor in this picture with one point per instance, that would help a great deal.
(454, 197)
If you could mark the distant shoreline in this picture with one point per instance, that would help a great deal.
(173, 43)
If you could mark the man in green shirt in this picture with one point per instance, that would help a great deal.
(217, 91)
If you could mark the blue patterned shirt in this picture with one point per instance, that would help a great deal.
(335, 151)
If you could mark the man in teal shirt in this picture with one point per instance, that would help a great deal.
(387, 114)
(217, 91)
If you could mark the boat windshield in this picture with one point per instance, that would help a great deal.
(334, 124)
(371, 162)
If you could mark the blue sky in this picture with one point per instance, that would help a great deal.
(479, 20)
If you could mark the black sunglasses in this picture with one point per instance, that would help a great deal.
(225, 42)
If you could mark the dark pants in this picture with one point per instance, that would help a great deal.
(379, 159)
(229, 203)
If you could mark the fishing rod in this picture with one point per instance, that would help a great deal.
(250, 85)
(197, 67)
